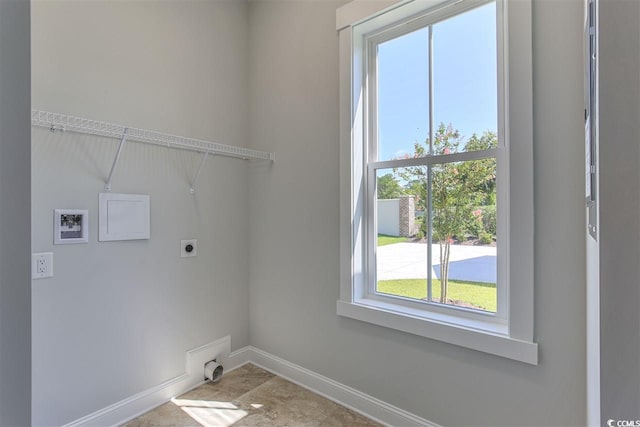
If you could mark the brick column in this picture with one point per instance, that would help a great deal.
(407, 216)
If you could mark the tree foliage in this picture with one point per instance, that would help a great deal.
(389, 187)
(458, 189)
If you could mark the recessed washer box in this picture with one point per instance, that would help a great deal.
(123, 217)
(70, 226)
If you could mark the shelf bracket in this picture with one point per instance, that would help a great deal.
(107, 186)
(192, 190)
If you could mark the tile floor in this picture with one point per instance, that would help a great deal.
(250, 396)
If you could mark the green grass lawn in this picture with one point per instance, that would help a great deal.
(383, 240)
(481, 295)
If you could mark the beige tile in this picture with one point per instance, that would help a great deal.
(283, 403)
(251, 397)
(167, 415)
(344, 417)
(262, 420)
(216, 414)
(231, 385)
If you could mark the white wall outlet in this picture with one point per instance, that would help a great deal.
(42, 265)
(188, 248)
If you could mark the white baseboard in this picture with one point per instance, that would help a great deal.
(369, 406)
(239, 358)
(136, 405)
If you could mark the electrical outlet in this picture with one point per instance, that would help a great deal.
(42, 265)
(188, 248)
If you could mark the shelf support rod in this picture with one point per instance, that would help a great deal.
(107, 186)
(192, 190)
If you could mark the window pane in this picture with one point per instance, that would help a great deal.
(403, 99)
(465, 72)
(462, 236)
(463, 199)
(448, 140)
(402, 252)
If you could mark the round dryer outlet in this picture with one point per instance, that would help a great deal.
(188, 248)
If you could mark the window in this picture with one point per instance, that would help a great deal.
(437, 201)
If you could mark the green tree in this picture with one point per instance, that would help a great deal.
(457, 189)
(389, 187)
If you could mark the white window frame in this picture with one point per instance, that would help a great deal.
(509, 332)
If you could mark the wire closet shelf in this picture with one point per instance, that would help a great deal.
(61, 122)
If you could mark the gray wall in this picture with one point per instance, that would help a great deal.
(15, 206)
(295, 233)
(118, 317)
(619, 207)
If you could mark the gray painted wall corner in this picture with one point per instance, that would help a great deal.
(15, 218)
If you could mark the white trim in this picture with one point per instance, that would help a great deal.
(140, 403)
(369, 406)
(473, 334)
(359, 10)
(346, 208)
(239, 358)
(519, 134)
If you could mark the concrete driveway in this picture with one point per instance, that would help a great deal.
(409, 261)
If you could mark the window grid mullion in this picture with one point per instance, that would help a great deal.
(437, 160)
(429, 212)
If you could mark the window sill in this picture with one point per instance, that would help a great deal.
(487, 337)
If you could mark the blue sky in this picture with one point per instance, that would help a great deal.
(465, 86)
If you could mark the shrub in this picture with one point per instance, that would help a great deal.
(422, 227)
(486, 238)
(489, 219)
(474, 226)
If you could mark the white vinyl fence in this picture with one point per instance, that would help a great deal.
(396, 217)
